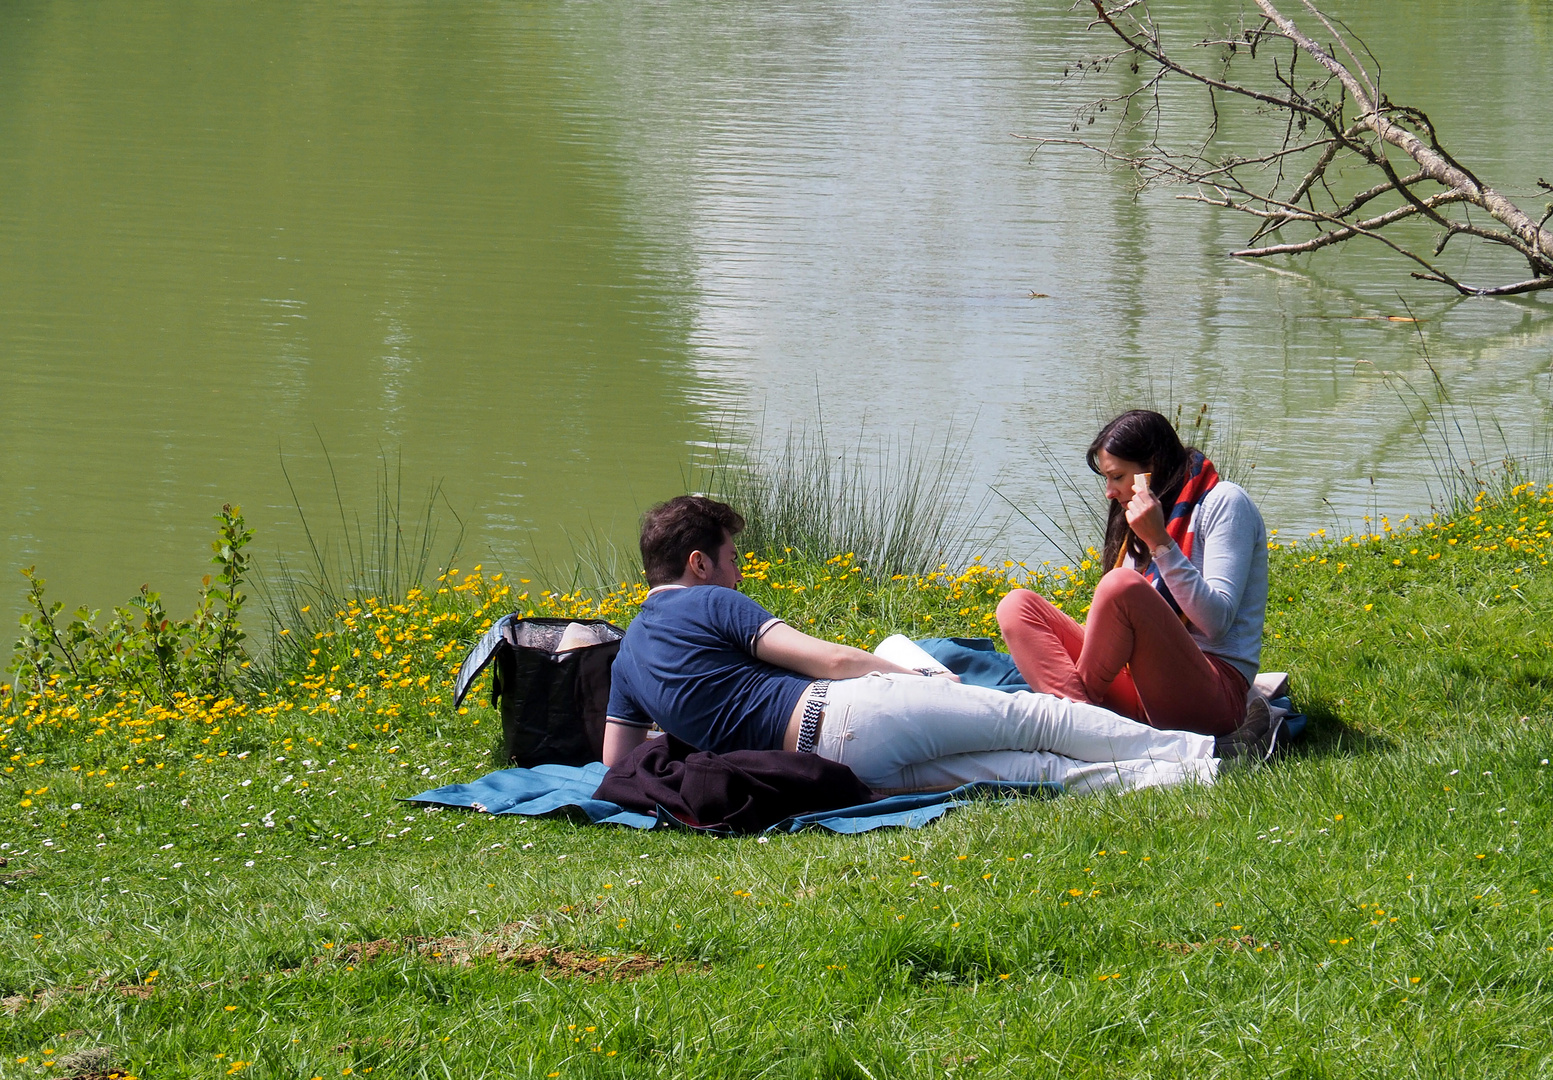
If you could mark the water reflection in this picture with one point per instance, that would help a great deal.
(867, 234)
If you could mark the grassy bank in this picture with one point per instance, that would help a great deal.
(223, 886)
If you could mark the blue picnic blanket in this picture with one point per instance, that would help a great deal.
(567, 790)
(976, 660)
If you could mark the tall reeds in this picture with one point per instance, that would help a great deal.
(899, 504)
(385, 555)
(1468, 452)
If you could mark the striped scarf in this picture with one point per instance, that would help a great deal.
(1200, 478)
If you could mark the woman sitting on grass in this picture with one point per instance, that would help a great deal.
(1174, 634)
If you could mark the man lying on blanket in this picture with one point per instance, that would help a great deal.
(718, 671)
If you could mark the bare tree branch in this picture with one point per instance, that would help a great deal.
(1332, 126)
(1337, 235)
(1531, 285)
(1354, 228)
(1436, 165)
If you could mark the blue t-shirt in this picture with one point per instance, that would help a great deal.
(688, 664)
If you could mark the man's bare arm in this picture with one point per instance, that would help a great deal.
(620, 740)
(794, 650)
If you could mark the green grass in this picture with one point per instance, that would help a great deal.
(1376, 904)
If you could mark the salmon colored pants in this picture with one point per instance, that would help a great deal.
(1134, 656)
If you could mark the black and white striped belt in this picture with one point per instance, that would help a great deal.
(813, 713)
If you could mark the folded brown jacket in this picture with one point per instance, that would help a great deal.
(744, 791)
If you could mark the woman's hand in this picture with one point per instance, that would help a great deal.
(1145, 517)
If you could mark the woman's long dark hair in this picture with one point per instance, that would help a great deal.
(1150, 440)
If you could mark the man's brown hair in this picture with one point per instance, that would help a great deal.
(673, 529)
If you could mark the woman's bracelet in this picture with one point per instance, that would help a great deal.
(1156, 552)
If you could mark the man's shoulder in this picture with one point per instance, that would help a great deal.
(704, 598)
(714, 608)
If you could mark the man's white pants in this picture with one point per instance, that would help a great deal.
(910, 733)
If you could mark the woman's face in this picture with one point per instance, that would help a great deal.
(1118, 474)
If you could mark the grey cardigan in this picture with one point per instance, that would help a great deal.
(1223, 587)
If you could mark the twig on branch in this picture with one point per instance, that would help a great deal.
(1353, 228)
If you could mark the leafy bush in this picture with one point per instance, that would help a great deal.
(140, 648)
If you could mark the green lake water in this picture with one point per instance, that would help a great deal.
(546, 252)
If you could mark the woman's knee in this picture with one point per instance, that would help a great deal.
(1120, 584)
(1122, 577)
(1020, 608)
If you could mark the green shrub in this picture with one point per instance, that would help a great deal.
(140, 648)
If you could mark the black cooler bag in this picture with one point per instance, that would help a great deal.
(552, 703)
